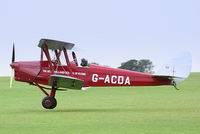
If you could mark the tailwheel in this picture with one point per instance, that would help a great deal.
(49, 102)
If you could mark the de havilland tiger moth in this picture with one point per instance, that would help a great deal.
(51, 73)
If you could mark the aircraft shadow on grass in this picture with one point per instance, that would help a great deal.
(116, 110)
(111, 110)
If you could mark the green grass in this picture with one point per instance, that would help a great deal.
(109, 110)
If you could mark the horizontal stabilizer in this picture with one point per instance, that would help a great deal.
(66, 82)
(173, 78)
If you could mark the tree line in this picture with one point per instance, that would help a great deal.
(143, 65)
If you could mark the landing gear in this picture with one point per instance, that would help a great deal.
(49, 102)
(174, 84)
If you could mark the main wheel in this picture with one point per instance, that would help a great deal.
(49, 102)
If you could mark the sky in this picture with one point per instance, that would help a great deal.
(105, 31)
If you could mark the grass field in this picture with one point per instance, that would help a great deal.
(109, 110)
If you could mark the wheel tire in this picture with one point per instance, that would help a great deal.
(49, 102)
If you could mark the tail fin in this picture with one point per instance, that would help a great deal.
(178, 68)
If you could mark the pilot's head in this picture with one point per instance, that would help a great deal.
(84, 62)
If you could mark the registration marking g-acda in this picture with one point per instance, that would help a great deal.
(113, 79)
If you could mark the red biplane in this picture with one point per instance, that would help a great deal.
(52, 73)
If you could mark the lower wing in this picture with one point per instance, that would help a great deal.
(66, 82)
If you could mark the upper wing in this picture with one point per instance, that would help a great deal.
(54, 44)
(66, 82)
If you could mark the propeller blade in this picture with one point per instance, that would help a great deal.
(13, 53)
(11, 77)
(12, 70)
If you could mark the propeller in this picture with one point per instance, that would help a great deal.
(13, 53)
(12, 70)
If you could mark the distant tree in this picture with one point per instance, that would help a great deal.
(143, 65)
(129, 65)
